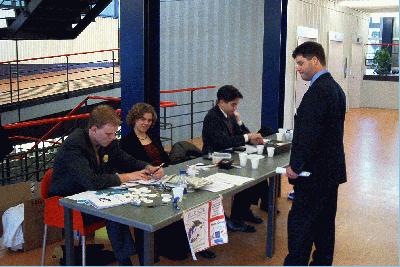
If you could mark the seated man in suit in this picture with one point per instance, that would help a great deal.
(222, 129)
(91, 159)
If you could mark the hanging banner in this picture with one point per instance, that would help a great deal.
(205, 226)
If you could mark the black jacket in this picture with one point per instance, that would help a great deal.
(6, 145)
(317, 144)
(216, 135)
(131, 145)
(76, 169)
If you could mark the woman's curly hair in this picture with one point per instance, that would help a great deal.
(137, 112)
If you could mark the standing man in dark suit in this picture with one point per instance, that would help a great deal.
(222, 129)
(317, 147)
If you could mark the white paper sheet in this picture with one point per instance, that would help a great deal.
(229, 179)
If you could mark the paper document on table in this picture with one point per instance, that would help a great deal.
(229, 179)
(282, 170)
(251, 149)
(217, 186)
(83, 196)
(99, 201)
(148, 182)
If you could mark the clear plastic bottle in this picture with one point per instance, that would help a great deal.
(182, 180)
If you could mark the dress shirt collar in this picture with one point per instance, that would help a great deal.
(316, 75)
(226, 116)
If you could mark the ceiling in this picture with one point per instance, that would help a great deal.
(372, 5)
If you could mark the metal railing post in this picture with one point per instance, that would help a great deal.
(10, 69)
(191, 114)
(113, 69)
(19, 104)
(8, 171)
(67, 76)
(37, 163)
(26, 168)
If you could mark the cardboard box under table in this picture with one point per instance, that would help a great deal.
(14, 194)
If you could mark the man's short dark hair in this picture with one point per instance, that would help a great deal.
(228, 93)
(310, 50)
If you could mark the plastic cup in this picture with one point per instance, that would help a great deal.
(260, 149)
(287, 136)
(270, 151)
(178, 192)
(279, 136)
(254, 163)
(243, 159)
(281, 130)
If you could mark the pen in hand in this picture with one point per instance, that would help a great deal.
(156, 170)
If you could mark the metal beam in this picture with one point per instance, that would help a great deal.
(274, 57)
(140, 59)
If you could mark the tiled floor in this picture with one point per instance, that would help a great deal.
(368, 208)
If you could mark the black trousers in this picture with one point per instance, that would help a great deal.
(120, 237)
(170, 242)
(243, 200)
(311, 221)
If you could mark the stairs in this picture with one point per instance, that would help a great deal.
(49, 19)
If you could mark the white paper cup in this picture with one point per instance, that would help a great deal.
(243, 159)
(281, 130)
(178, 192)
(260, 149)
(279, 136)
(287, 136)
(270, 151)
(254, 163)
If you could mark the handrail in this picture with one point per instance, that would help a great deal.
(63, 55)
(55, 127)
(384, 44)
(187, 89)
(25, 124)
(21, 137)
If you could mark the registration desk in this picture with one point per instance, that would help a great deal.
(152, 219)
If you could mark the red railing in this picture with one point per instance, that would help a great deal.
(56, 56)
(192, 103)
(70, 116)
(30, 78)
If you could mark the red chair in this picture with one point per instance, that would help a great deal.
(54, 216)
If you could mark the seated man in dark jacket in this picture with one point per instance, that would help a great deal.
(222, 129)
(92, 160)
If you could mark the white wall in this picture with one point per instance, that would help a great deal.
(325, 16)
(379, 94)
(99, 35)
(213, 42)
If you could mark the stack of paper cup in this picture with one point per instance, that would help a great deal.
(270, 151)
(255, 160)
(243, 159)
(279, 136)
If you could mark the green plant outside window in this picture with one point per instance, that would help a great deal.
(382, 61)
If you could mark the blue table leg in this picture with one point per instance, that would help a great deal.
(148, 257)
(272, 195)
(69, 237)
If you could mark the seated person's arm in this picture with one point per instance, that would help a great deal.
(214, 134)
(74, 165)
